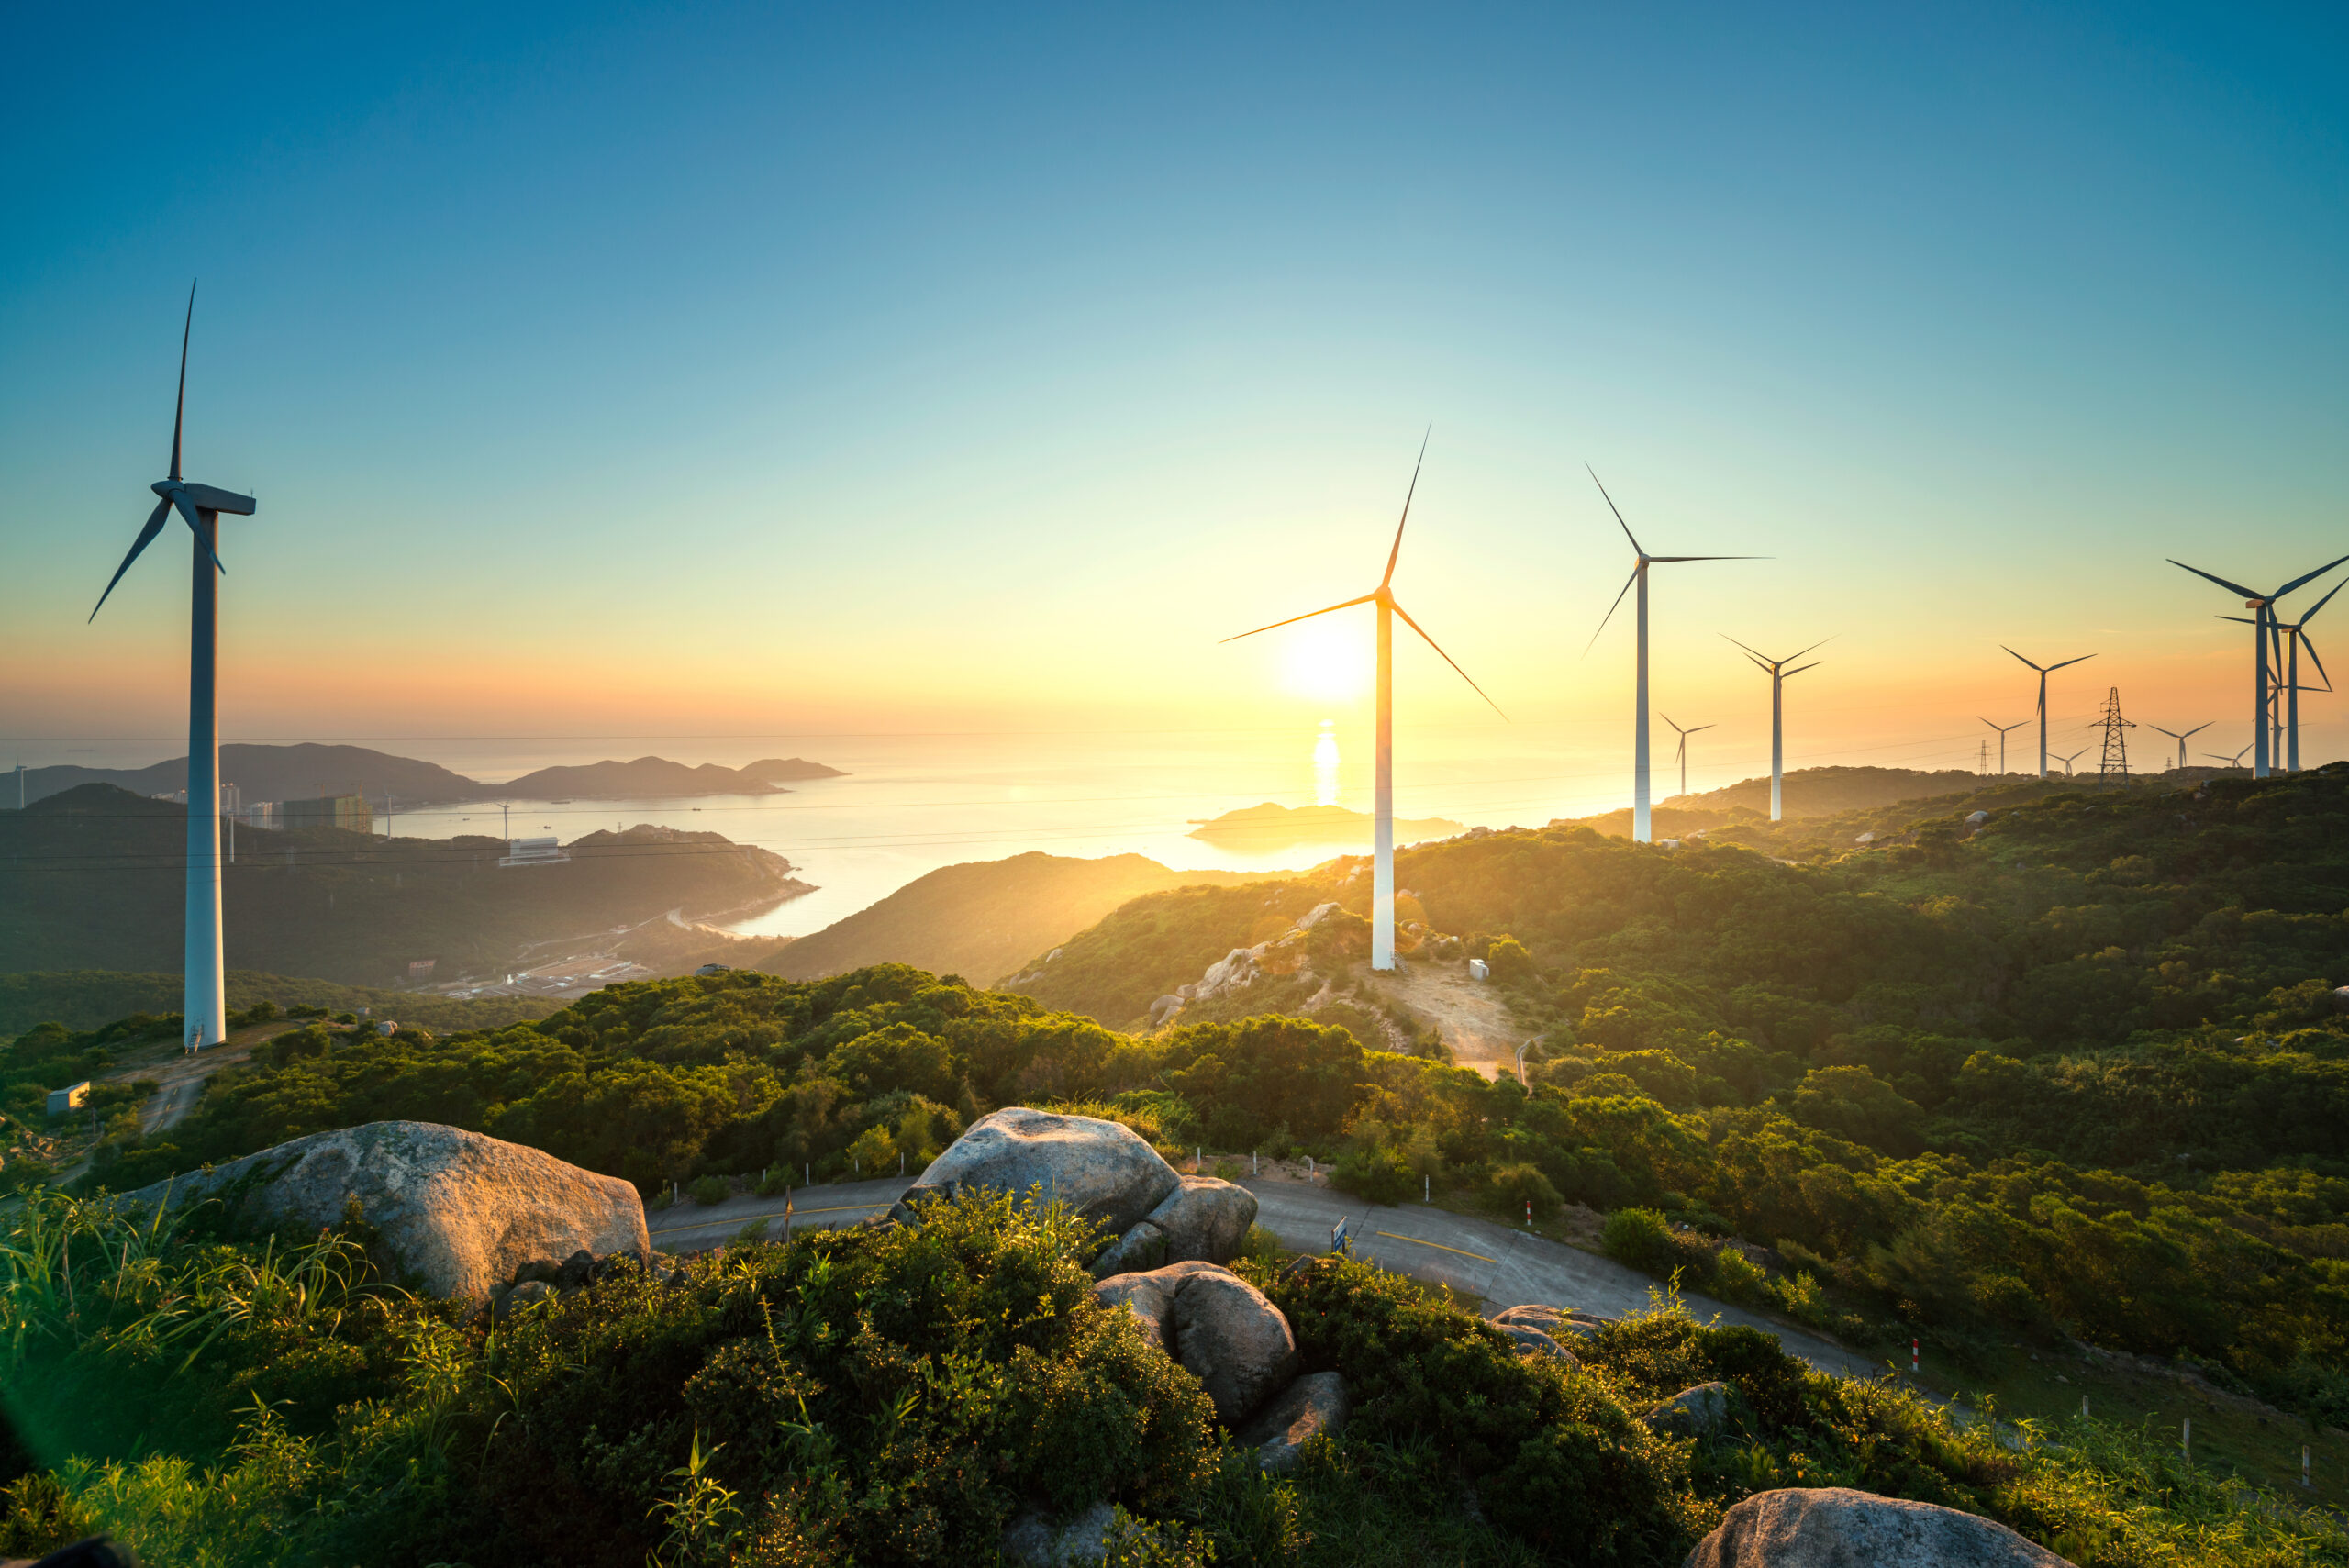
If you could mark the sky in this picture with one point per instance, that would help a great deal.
(710, 371)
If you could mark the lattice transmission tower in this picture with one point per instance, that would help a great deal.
(2116, 744)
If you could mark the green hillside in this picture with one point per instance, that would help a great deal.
(88, 999)
(94, 881)
(982, 918)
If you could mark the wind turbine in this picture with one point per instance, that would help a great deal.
(1640, 562)
(2046, 671)
(2003, 730)
(2283, 635)
(2180, 736)
(200, 505)
(2262, 608)
(2234, 762)
(1681, 755)
(1779, 675)
(2068, 761)
(1382, 886)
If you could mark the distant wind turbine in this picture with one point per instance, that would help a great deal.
(2003, 730)
(2262, 608)
(1681, 755)
(1640, 562)
(2046, 671)
(205, 1007)
(2068, 762)
(2180, 736)
(1779, 675)
(1382, 893)
(2234, 762)
(2285, 639)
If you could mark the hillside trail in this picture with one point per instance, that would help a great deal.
(1474, 1020)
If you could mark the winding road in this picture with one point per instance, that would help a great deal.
(1481, 1258)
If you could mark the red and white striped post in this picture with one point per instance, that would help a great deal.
(1913, 1356)
(1529, 1214)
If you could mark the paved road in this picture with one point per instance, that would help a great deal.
(1503, 1268)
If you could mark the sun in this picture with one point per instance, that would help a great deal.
(1327, 658)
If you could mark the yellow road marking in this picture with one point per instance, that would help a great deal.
(1437, 1245)
(843, 1208)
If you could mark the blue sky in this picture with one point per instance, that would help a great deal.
(658, 367)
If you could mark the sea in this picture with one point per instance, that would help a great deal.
(908, 804)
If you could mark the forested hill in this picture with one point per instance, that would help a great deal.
(94, 880)
(270, 773)
(980, 919)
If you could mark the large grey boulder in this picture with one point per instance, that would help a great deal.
(1834, 1527)
(1101, 1170)
(1142, 1248)
(462, 1212)
(1314, 1405)
(1220, 1328)
(1557, 1322)
(1204, 1221)
(1034, 1541)
(1695, 1412)
(1528, 1340)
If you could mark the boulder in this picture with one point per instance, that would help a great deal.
(1528, 1340)
(1033, 1539)
(1101, 1170)
(1834, 1527)
(1220, 1328)
(1556, 1321)
(1314, 1405)
(1204, 1220)
(1164, 1008)
(460, 1212)
(1142, 1248)
(1693, 1412)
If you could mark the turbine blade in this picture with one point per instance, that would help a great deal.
(196, 529)
(1613, 607)
(155, 521)
(1665, 560)
(179, 407)
(2198, 728)
(1766, 663)
(2310, 614)
(2309, 646)
(1307, 615)
(2230, 587)
(1619, 515)
(2171, 733)
(2081, 659)
(2019, 656)
(1821, 644)
(1800, 668)
(1448, 658)
(1393, 554)
(2307, 577)
(1667, 718)
(1701, 727)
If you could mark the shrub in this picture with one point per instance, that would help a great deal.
(1509, 961)
(1511, 1188)
(709, 1190)
(1381, 1175)
(776, 1183)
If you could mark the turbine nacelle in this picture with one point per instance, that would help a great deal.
(203, 497)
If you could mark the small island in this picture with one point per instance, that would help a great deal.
(1270, 827)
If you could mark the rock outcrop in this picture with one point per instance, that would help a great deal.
(1530, 1340)
(1101, 1170)
(1218, 1326)
(1035, 1541)
(1204, 1220)
(1693, 1412)
(1557, 1322)
(1314, 1405)
(460, 1212)
(1836, 1528)
(1137, 1250)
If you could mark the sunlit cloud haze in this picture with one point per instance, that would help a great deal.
(792, 372)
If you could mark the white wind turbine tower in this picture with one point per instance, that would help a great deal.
(1382, 893)
(2046, 671)
(2068, 762)
(1640, 562)
(204, 1007)
(1780, 674)
(1681, 755)
(2262, 610)
(2003, 730)
(2180, 736)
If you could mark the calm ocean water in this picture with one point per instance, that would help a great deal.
(911, 804)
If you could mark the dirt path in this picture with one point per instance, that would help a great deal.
(1476, 1023)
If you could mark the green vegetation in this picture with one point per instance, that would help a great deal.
(94, 999)
(94, 880)
(898, 1393)
(1115, 970)
(983, 918)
